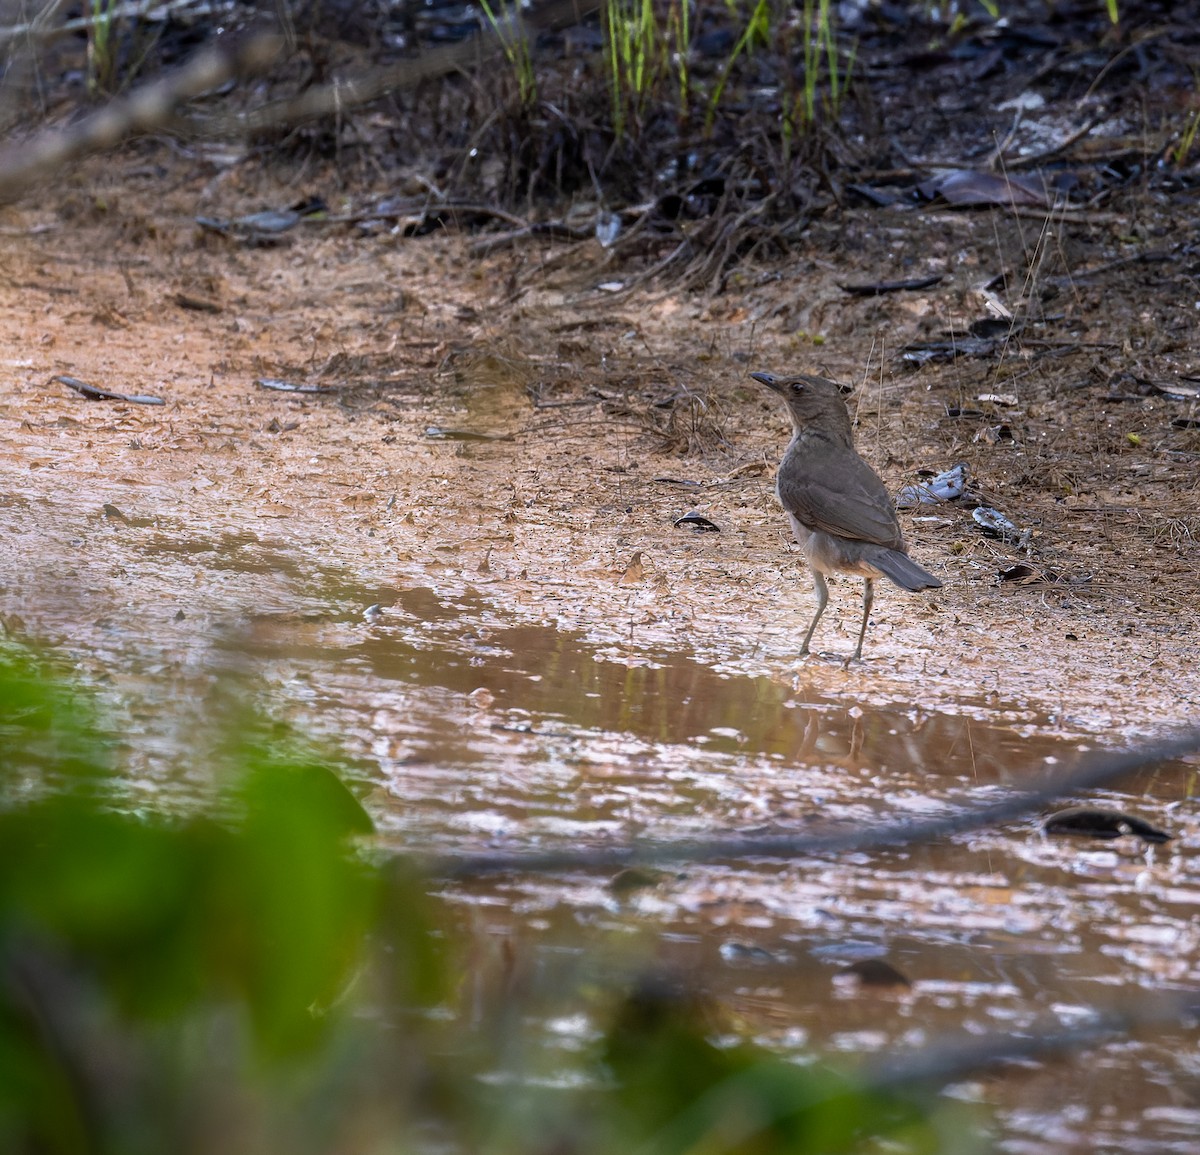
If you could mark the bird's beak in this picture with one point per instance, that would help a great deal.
(767, 379)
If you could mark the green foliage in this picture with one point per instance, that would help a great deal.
(824, 83)
(647, 48)
(49, 736)
(101, 47)
(641, 51)
(506, 23)
(243, 979)
(822, 73)
(756, 32)
(130, 940)
(1182, 150)
(267, 910)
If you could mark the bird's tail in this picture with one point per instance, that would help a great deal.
(902, 569)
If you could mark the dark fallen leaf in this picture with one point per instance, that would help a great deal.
(1185, 422)
(113, 513)
(311, 208)
(878, 288)
(698, 522)
(928, 354)
(880, 197)
(1184, 389)
(214, 225)
(874, 972)
(1094, 822)
(994, 523)
(677, 481)
(994, 434)
(92, 393)
(968, 187)
(269, 221)
(1025, 575)
(264, 227)
(994, 327)
(268, 232)
(925, 352)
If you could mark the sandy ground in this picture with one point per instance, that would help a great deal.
(506, 426)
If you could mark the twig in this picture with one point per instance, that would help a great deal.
(144, 110)
(1068, 212)
(43, 29)
(642, 278)
(1093, 771)
(953, 1059)
(344, 95)
(1149, 256)
(555, 230)
(153, 106)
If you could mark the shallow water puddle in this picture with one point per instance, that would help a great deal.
(470, 730)
(478, 733)
(519, 732)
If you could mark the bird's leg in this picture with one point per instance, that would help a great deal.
(868, 599)
(822, 592)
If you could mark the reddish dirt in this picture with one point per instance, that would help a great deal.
(231, 494)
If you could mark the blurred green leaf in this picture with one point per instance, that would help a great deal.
(289, 908)
(48, 733)
(681, 1093)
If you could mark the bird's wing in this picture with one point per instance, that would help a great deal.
(843, 497)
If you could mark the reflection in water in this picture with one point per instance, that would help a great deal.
(547, 674)
(479, 730)
(471, 723)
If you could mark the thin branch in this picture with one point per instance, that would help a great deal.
(343, 95)
(951, 1060)
(45, 29)
(1094, 770)
(144, 110)
(153, 106)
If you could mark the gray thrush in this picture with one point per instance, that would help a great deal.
(841, 514)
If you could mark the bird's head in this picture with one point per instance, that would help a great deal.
(810, 399)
